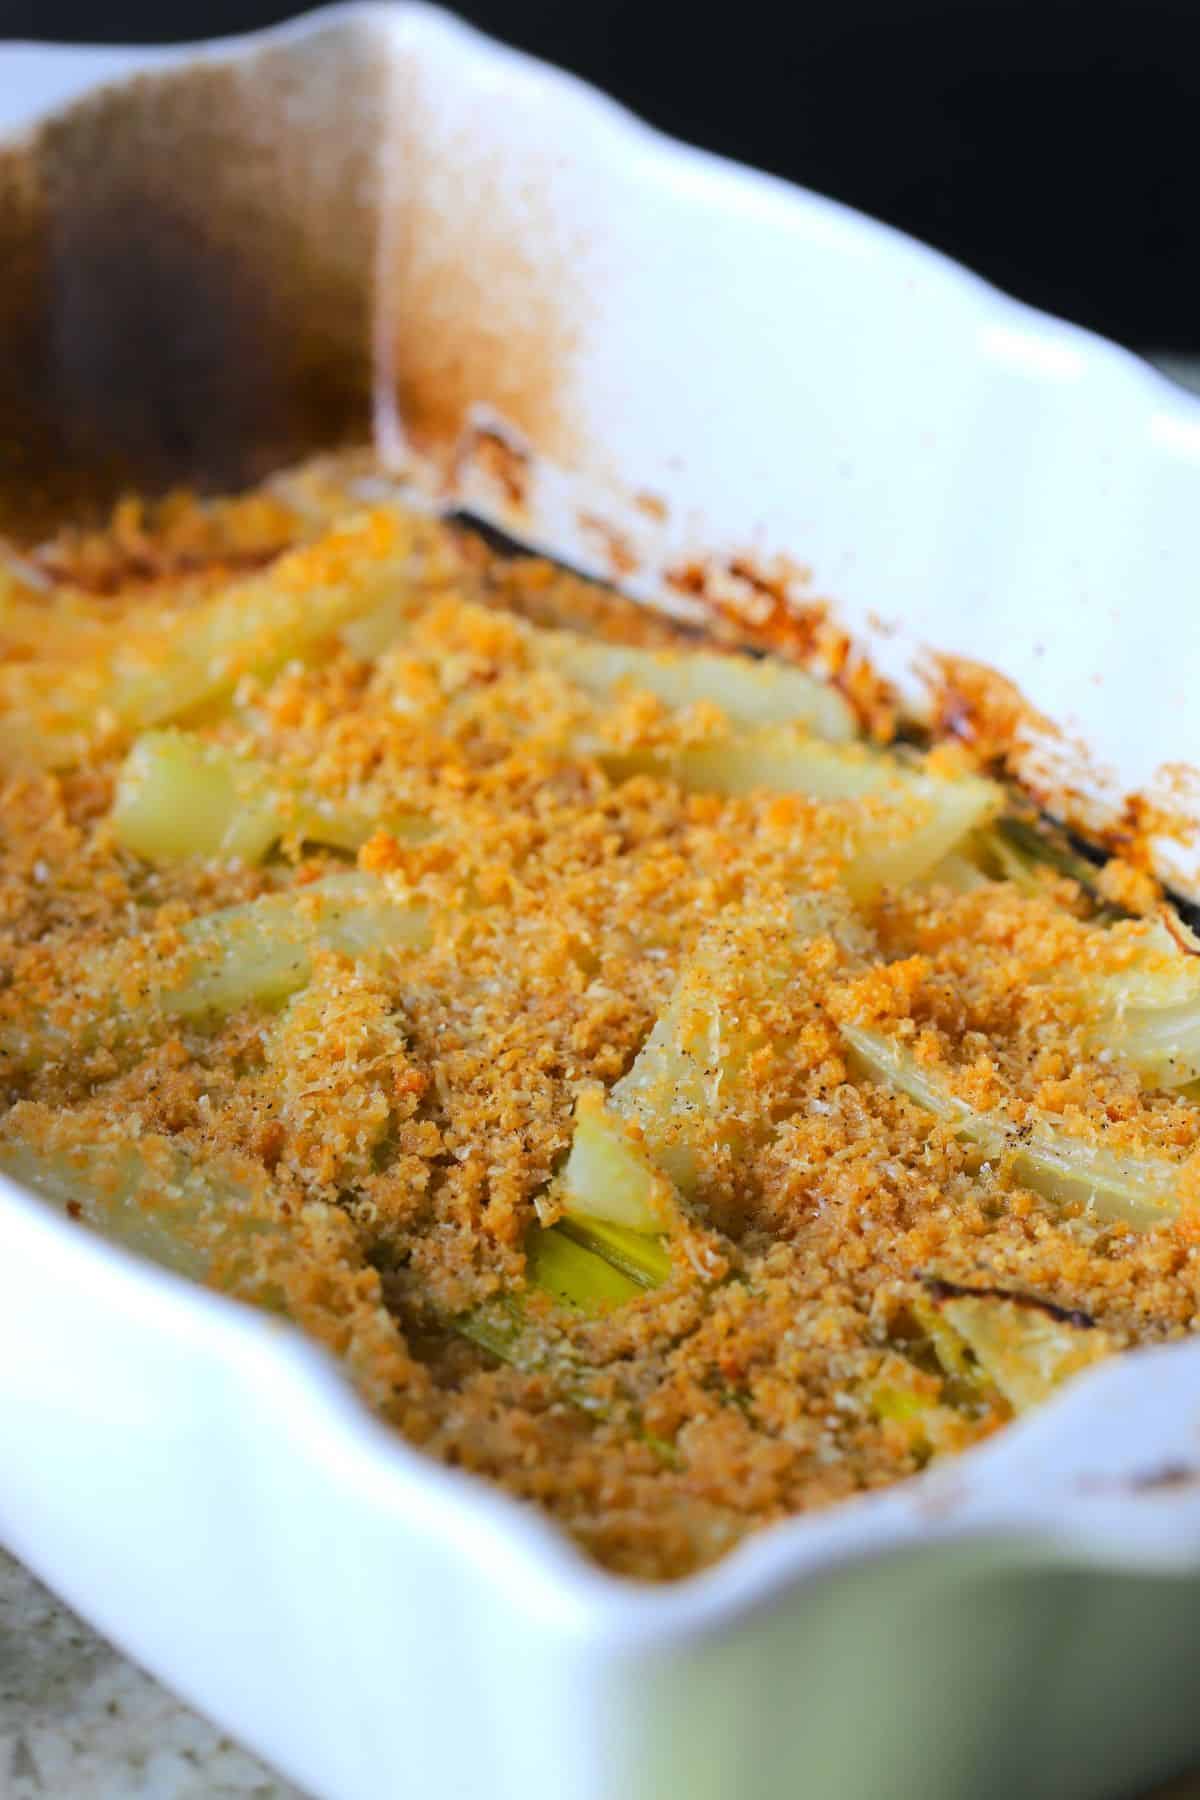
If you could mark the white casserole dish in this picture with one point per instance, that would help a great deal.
(382, 190)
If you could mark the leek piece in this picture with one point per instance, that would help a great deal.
(1017, 849)
(502, 1330)
(893, 1402)
(575, 1275)
(750, 691)
(931, 1426)
(577, 1278)
(643, 1258)
(179, 798)
(1139, 1191)
(959, 1389)
(958, 1366)
(923, 833)
(686, 1074)
(572, 1275)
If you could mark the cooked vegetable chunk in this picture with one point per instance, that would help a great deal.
(1139, 1191)
(750, 692)
(152, 1197)
(1148, 1013)
(179, 797)
(691, 1087)
(171, 669)
(917, 818)
(1026, 1348)
(662, 1103)
(253, 954)
(608, 1177)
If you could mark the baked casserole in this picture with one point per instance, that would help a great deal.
(669, 1094)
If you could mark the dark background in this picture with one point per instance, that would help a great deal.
(1054, 145)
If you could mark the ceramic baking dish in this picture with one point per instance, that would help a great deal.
(663, 367)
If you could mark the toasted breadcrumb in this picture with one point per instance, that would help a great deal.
(398, 1122)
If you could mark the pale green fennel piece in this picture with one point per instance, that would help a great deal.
(1140, 1191)
(255, 953)
(179, 798)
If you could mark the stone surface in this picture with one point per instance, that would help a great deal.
(80, 1722)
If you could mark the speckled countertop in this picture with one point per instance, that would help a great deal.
(80, 1722)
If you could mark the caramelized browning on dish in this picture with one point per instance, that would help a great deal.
(663, 1103)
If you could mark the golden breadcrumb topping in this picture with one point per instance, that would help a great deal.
(372, 1146)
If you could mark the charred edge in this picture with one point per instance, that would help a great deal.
(1164, 1479)
(976, 705)
(1177, 909)
(1130, 838)
(782, 622)
(796, 627)
(1055, 836)
(939, 1290)
(692, 579)
(504, 544)
(1187, 910)
(507, 463)
(616, 547)
(1184, 939)
(513, 549)
(1168, 1475)
(652, 505)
